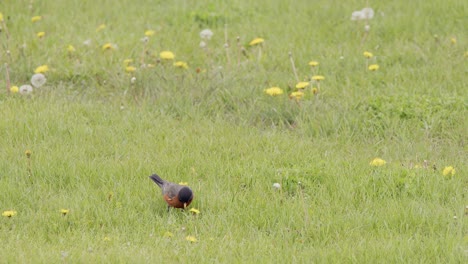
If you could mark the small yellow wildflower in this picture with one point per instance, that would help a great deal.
(191, 239)
(14, 89)
(453, 40)
(273, 91)
(449, 171)
(1, 17)
(127, 62)
(64, 211)
(368, 54)
(108, 46)
(9, 213)
(130, 69)
(181, 64)
(296, 95)
(314, 90)
(71, 49)
(318, 78)
(40, 34)
(302, 85)
(377, 162)
(149, 33)
(34, 19)
(313, 63)
(42, 69)
(256, 41)
(373, 67)
(28, 153)
(106, 238)
(100, 27)
(167, 55)
(168, 234)
(195, 211)
(183, 183)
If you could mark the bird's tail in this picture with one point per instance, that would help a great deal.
(157, 180)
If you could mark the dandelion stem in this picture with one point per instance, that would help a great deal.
(293, 66)
(7, 77)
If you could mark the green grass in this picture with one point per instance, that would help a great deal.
(95, 137)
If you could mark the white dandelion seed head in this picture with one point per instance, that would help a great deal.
(356, 15)
(25, 89)
(276, 185)
(367, 13)
(87, 42)
(367, 28)
(133, 80)
(202, 44)
(206, 34)
(145, 39)
(38, 79)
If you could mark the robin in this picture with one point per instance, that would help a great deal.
(176, 195)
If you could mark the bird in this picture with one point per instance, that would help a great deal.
(175, 195)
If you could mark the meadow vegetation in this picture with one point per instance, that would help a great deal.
(364, 164)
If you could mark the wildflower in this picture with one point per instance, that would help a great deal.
(195, 211)
(64, 212)
(167, 55)
(453, 40)
(133, 80)
(367, 28)
(276, 185)
(145, 39)
(314, 90)
(313, 63)
(100, 27)
(42, 69)
(181, 64)
(28, 153)
(202, 44)
(377, 162)
(168, 234)
(296, 95)
(40, 34)
(34, 19)
(206, 34)
(108, 46)
(256, 41)
(71, 49)
(318, 78)
(149, 33)
(130, 69)
(273, 91)
(1, 17)
(367, 13)
(14, 89)
(25, 89)
(191, 239)
(367, 54)
(183, 183)
(106, 239)
(302, 85)
(449, 171)
(87, 42)
(373, 67)
(127, 62)
(9, 213)
(38, 79)
(356, 15)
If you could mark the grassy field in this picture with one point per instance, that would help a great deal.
(76, 153)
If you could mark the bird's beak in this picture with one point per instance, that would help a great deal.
(185, 205)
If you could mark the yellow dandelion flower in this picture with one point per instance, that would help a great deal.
(64, 211)
(318, 78)
(313, 63)
(34, 19)
(183, 183)
(195, 211)
(453, 40)
(106, 238)
(108, 46)
(42, 69)
(167, 55)
(149, 65)
(256, 41)
(368, 54)
(40, 34)
(377, 162)
(274, 91)
(314, 90)
(130, 69)
(449, 171)
(9, 213)
(100, 27)
(302, 85)
(71, 49)
(127, 62)
(373, 67)
(191, 239)
(296, 95)
(181, 64)
(14, 89)
(1, 17)
(168, 234)
(149, 33)
(28, 153)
